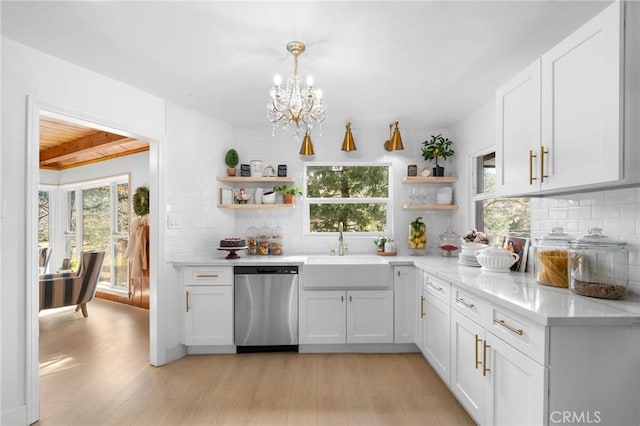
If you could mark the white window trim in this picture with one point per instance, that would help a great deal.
(306, 215)
(473, 184)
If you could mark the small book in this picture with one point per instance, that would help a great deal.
(520, 246)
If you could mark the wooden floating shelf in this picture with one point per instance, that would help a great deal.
(429, 179)
(256, 206)
(429, 206)
(256, 179)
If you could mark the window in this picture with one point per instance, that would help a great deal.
(44, 205)
(356, 195)
(97, 218)
(497, 216)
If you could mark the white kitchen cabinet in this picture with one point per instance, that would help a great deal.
(405, 288)
(354, 316)
(518, 133)
(582, 92)
(437, 334)
(208, 306)
(419, 297)
(560, 122)
(495, 382)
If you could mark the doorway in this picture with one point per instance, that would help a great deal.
(40, 112)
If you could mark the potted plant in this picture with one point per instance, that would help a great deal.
(231, 160)
(288, 193)
(380, 242)
(435, 148)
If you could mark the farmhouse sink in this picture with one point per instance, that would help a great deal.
(346, 260)
(346, 272)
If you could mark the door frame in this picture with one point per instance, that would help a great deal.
(36, 107)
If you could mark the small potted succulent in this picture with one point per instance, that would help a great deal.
(435, 148)
(288, 193)
(380, 241)
(231, 160)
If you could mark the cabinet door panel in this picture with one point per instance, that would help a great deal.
(322, 317)
(370, 316)
(437, 336)
(581, 104)
(467, 382)
(514, 387)
(518, 132)
(209, 316)
(405, 307)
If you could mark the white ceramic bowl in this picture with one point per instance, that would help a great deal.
(269, 197)
(496, 259)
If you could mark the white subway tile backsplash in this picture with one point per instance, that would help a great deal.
(621, 196)
(558, 213)
(608, 211)
(592, 198)
(570, 226)
(579, 213)
(539, 214)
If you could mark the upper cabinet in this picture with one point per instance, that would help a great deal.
(560, 121)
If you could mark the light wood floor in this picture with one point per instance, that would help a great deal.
(96, 371)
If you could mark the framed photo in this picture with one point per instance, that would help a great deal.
(520, 246)
(412, 170)
(245, 170)
(226, 196)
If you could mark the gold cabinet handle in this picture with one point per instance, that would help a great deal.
(478, 340)
(461, 300)
(532, 155)
(484, 358)
(542, 154)
(422, 306)
(207, 276)
(398, 274)
(187, 300)
(509, 327)
(342, 298)
(350, 299)
(435, 287)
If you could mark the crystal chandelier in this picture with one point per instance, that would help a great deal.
(293, 104)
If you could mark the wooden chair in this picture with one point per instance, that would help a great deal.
(69, 288)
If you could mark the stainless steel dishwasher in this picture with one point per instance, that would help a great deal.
(266, 308)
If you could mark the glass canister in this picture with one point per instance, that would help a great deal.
(598, 266)
(252, 240)
(264, 235)
(551, 264)
(417, 236)
(276, 241)
(449, 243)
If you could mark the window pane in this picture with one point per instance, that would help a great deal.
(357, 217)
(70, 250)
(72, 211)
(43, 218)
(347, 182)
(505, 216)
(123, 207)
(96, 224)
(121, 264)
(486, 166)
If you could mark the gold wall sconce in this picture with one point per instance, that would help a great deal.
(348, 144)
(307, 146)
(395, 140)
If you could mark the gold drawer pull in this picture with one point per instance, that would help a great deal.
(440, 289)
(461, 300)
(532, 155)
(187, 301)
(509, 327)
(478, 362)
(542, 153)
(207, 276)
(484, 358)
(421, 306)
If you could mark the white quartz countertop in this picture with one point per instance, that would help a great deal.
(513, 290)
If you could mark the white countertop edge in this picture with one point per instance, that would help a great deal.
(516, 291)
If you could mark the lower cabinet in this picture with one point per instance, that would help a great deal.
(406, 286)
(436, 337)
(496, 383)
(352, 316)
(208, 306)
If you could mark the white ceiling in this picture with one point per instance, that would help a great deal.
(425, 63)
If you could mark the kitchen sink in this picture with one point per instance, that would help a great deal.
(346, 272)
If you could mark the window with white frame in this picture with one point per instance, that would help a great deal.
(44, 218)
(497, 216)
(97, 218)
(356, 195)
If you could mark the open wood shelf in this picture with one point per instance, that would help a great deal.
(429, 179)
(256, 206)
(256, 179)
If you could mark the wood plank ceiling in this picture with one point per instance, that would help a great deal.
(64, 145)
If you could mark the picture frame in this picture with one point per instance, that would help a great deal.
(226, 196)
(520, 246)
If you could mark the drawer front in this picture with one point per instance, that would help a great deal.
(438, 288)
(203, 275)
(520, 332)
(470, 305)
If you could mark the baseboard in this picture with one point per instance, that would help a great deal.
(15, 416)
(204, 350)
(359, 348)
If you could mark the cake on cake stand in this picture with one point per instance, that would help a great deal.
(232, 251)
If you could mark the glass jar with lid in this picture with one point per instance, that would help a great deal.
(598, 266)
(417, 237)
(276, 241)
(449, 243)
(252, 240)
(264, 236)
(551, 258)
